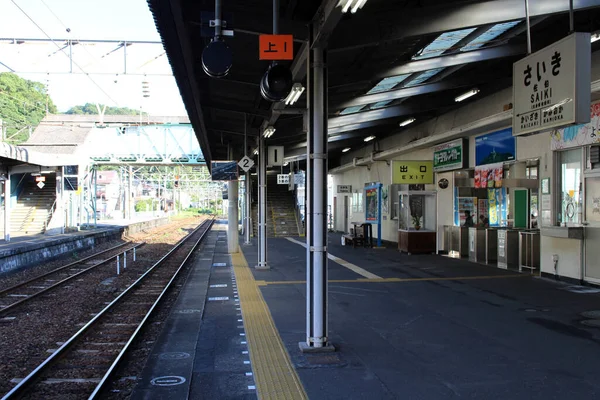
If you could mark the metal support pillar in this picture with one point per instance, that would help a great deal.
(316, 213)
(248, 191)
(232, 218)
(7, 206)
(262, 205)
(248, 208)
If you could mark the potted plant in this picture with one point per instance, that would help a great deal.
(416, 220)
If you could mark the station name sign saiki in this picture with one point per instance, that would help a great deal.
(551, 88)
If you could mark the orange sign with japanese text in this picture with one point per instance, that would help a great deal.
(276, 47)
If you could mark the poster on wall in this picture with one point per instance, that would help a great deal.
(489, 176)
(385, 200)
(482, 208)
(497, 206)
(578, 135)
(372, 205)
(495, 147)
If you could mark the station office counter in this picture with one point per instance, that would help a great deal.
(417, 241)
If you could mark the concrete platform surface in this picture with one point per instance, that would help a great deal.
(404, 327)
(433, 328)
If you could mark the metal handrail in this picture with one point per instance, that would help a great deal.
(50, 215)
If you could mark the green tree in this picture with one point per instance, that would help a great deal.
(22, 105)
(91, 109)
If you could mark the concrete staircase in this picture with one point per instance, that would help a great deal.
(281, 213)
(33, 210)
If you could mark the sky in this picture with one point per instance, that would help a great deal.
(98, 69)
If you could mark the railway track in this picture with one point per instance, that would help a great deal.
(83, 365)
(24, 292)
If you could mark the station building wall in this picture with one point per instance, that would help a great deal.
(416, 142)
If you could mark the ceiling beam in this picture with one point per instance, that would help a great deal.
(237, 110)
(364, 30)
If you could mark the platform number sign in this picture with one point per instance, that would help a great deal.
(246, 163)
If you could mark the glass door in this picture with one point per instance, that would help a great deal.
(592, 230)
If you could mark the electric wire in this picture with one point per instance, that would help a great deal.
(63, 51)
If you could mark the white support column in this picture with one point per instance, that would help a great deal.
(248, 208)
(7, 206)
(262, 205)
(232, 218)
(316, 213)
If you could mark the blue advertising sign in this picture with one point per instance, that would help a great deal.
(495, 147)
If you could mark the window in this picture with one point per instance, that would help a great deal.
(569, 188)
(531, 172)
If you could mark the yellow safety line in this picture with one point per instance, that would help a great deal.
(274, 373)
(343, 263)
(388, 280)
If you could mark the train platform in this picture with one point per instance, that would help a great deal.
(410, 327)
(23, 251)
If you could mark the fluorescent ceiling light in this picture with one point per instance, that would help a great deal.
(595, 37)
(347, 149)
(269, 132)
(408, 121)
(351, 5)
(467, 95)
(295, 94)
(369, 138)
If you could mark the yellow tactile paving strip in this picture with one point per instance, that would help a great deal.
(391, 280)
(274, 374)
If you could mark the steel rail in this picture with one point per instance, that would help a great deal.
(18, 285)
(31, 378)
(105, 379)
(60, 283)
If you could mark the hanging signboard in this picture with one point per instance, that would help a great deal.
(410, 172)
(275, 156)
(551, 88)
(283, 179)
(276, 47)
(344, 188)
(449, 156)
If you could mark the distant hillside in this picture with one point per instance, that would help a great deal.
(23, 104)
(91, 109)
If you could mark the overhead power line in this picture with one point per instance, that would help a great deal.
(63, 51)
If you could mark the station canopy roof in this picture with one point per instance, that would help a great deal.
(389, 62)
